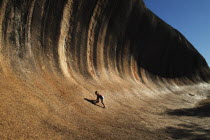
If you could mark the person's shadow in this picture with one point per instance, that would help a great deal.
(92, 102)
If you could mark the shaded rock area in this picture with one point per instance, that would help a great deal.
(199, 111)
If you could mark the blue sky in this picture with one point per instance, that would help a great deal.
(190, 17)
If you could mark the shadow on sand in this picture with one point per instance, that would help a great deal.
(191, 130)
(202, 110)
(92, 102)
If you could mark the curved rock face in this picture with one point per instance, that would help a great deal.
(94, 38)
(57, 51)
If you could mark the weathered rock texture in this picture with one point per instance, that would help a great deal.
(54, 53)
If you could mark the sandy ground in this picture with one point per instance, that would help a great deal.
(50, 109)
